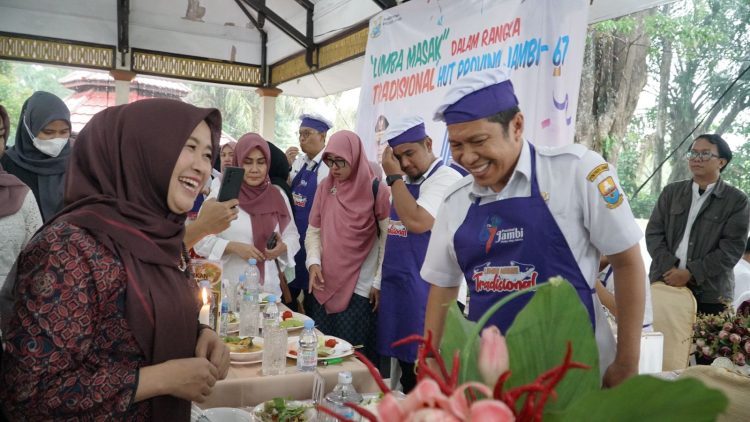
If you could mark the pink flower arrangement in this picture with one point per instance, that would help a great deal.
(723, 335)
(438, 397)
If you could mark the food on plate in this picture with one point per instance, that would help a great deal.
(331, 342)
(204, 269)
(287, 315)
(291, 323)
(283, 410)
(241, 344)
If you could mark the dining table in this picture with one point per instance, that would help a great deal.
(246, 386)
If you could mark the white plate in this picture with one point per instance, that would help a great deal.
(249, 357)
(309, 413)
(343, 348)
(298, 316)
(228, 414)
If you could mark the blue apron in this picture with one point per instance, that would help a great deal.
(509, 245)
(304, 185)
(403, 292)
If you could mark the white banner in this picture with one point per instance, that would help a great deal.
(417, 50)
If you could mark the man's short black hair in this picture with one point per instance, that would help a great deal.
(504, 117)
(724, 151)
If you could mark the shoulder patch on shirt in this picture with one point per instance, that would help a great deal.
(597, 171)
(573, 149)
(610, 192)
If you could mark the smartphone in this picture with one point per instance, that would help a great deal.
(231, 182)
(271, 241)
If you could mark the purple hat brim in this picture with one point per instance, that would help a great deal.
(482, 103)
(415, 134)
(314, 124)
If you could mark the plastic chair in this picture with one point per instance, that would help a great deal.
(675, 312)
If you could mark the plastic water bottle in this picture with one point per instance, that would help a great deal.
(307, 352)
(271, 313)
(238, 292)
(342, 393)
(224, 321)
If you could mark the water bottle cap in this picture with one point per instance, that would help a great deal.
(309, 323)
(252, 261)
(345, 377)
(271, 298)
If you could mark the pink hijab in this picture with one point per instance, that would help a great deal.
(343, 210)
(264, 202)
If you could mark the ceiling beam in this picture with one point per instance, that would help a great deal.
(385, 4)
(279, 22)
(305, 40)
(265, 77)
(123, 25)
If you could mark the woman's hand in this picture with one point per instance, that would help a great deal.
(316, 278)
(374, 298)
(276, 252)
(211, 347)
(189, 379)
(245, 251)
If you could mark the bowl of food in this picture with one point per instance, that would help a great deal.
(244, 349)
(281, 409)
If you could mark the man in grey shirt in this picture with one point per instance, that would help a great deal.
(698, 228)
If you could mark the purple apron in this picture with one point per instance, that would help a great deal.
(403, 293)
(512, 244)
(303, 191)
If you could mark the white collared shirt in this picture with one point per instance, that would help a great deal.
(571, 178)
(433, 189)
(696, 202)
(303, 159)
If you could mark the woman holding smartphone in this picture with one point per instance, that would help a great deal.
(264, 212)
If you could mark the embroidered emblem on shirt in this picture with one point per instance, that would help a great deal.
(396, 228)
(598, 170)
(303, 182)
(516, 276)
(299, 200)
(333, 190)
(545, 196)
(610, 192)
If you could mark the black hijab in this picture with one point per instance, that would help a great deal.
(39, 110)
(279, 171)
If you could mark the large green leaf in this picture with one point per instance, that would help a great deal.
(538, 338)
(458, 335)
(646, 398)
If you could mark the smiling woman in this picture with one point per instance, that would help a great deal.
(132, 348)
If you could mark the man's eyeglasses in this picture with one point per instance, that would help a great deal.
(701, 155)
(307, 133)
(339, 162)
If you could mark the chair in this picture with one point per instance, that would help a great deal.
(675, 311)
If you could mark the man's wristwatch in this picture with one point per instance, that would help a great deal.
(390, 180)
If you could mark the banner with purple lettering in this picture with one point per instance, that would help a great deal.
(415, 51)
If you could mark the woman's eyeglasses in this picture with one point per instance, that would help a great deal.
(339, 162)
(701, 155)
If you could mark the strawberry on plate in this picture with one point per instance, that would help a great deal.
(286, 315)
(331, 342)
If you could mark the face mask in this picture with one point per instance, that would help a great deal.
(51, 147)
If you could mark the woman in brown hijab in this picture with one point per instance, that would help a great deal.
(105, 320)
